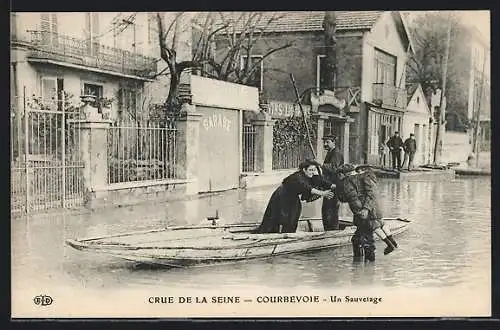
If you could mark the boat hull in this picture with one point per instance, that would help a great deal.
(202, 245)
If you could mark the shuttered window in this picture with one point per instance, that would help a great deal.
(48, 27)
(385, 68)
(91, 32)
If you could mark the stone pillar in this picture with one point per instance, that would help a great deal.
(263, 143)
(92, 150)
(320, 130)
(187, 149)
(345, 138)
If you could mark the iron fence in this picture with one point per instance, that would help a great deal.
(249, 148)
(46, 167)
(140, 151)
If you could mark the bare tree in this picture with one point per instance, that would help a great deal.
(222, 39)
(168, 37)
(235, 35)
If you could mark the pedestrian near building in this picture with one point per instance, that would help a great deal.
(284, 207)
(359, 190)
(395, 145)
(330, 206)
(410, 148)
(381, 154)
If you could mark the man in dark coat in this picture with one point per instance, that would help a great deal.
(410, 147)
(395, 145)
(359, 190)
(330, 207)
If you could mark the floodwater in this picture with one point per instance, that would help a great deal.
(448, 243)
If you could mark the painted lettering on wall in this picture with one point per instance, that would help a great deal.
(286, 109)
(217, 121)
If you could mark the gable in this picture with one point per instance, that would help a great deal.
(387, 36)
(418, 103)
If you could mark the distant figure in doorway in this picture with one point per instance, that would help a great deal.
(395, 145)
(359, 190)
(410, 148)
(284, 206)
(381, 154)
(330, 207)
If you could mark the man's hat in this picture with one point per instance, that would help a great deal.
(330, 137)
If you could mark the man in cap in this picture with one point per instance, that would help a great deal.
(333, 159)
(359, 189)
(395, 145)
(410, 148)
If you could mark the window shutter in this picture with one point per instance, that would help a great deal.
(45, 22)
(49, 89)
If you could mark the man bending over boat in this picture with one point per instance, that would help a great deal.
(359, 189)
(284, 206)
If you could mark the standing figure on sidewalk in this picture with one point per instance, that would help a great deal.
(284, 206)
(359, 190)
(395, 145)
(410, 148)
(330, 207)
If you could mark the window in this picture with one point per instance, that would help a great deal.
(322, 76)
(152, 29)
(124, 34)
(385, 68)
(256, 78)
(51, 91)
(130, 101)
(92, 89)
(48, 24)
(91, 32)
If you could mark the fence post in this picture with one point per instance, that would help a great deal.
(92, 140)
(263, 154)
(187, 149)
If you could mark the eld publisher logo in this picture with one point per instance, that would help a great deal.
(43, 300)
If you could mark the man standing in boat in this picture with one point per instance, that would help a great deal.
(359, 190)
(330, 207)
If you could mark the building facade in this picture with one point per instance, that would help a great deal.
(108, 55)
(418, 120)
(372, 48)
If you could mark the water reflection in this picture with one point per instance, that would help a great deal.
(448, 243)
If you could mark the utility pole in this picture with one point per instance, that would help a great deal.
(475, 149)
(439, 138)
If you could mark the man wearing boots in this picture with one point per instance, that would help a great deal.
(330, 207)
(359, 189)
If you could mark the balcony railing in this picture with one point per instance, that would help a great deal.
(53, 46)
(389, 95)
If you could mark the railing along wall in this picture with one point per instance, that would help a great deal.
(89, 53)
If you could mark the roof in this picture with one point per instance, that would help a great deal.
(298, 21)
(303, 21)
(410, 91)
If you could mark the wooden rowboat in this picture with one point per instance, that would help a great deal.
(205, 244)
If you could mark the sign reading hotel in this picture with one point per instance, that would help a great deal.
(278, 109)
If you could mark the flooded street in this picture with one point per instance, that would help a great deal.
(448, 244)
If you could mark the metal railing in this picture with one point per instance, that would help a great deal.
(142, 151)
(89, 53)
(46, 167)
(249, 148)
(389, 95)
